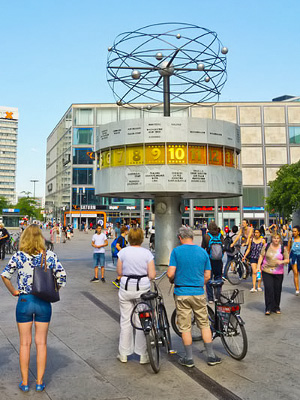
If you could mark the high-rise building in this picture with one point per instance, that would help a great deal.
(270, 136)
(8, 152)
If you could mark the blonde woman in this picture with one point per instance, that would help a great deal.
(29, 307)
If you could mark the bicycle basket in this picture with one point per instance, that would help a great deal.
(141, 315)
(226, 295)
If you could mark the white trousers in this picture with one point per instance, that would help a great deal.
(129, 344)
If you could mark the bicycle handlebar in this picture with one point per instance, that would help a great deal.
(160, 276)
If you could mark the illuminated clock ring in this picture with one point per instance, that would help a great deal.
(192, 56)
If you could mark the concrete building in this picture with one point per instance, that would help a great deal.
(270, 135)
(8, 152)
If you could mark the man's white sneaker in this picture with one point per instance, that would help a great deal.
(121, 358)
(144, 359)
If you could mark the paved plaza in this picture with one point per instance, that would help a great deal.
(83, 345)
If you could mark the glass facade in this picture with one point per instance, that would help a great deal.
(294, 134)
(82, 176)
(83, 155)
(83, 136)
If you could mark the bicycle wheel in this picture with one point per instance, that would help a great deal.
(153, 348)
(15, 246)
(234, 339)
(165, 328)
(234, 272)
(196, 332)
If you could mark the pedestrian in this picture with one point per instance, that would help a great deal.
(190, 270)
(285, 235)
(147, 230)
(58, 233)
(294, 251)
(254, 250)
(4, 237)
(213, 243)
(245, 233)
(121, 243)
(271, 262)
(91, 226)
(29, 307)
(99, 242)
(117, 230)
(230, 251)
(136, 266)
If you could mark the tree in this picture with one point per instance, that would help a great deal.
(27, 206)
(4, 203)
(285, 191)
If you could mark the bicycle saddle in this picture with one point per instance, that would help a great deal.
(149, 295)
(216, 284)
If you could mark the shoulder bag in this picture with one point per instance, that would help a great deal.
(44, 283)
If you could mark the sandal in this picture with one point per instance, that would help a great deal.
(40, 388)
(267, 312)
(278, 312)
(24, 388)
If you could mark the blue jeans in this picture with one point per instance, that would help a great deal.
(216, 274)
(30, 306)
(229, 259)
(99, 259)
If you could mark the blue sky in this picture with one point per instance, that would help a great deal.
(53, 54)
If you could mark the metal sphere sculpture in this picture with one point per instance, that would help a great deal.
(192, 59)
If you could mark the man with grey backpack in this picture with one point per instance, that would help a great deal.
(213, 242)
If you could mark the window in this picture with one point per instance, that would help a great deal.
(83, 136)
(88, 197)
(83, 156)
(83, 116)
(294, 134)
(82, 176)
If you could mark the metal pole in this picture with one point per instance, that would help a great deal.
(142, 206)
(216, 211)
(166, 95)
(191, 216)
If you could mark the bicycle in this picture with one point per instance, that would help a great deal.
(12, 244)
(237, 269)
(152, 314)
(225, 321)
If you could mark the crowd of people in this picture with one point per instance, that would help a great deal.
(191, 269)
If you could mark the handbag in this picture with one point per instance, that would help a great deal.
(44, 283)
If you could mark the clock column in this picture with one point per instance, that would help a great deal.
(168, 220)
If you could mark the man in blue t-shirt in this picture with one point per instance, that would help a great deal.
(190, 269)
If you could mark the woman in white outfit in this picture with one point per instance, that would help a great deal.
(136, 266)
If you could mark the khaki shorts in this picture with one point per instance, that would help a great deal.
(184, 307)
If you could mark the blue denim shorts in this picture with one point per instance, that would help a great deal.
(30, 307)
(99, 259)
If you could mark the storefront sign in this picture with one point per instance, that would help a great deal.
(113, 207)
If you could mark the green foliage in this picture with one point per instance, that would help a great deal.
(4, 203)
(285, 191)
(28, 207)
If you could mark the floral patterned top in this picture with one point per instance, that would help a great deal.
(25, 263)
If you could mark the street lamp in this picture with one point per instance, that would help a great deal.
(80, 200)
(34, 181)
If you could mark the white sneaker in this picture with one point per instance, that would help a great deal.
(121, 358)
(253, 290)
(297, 293)
(144, 359)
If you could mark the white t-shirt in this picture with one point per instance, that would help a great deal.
(135, 262)
(98, 241)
